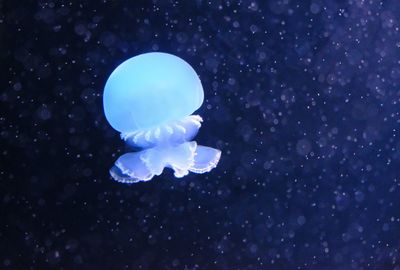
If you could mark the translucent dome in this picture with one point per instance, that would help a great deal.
(150, 89)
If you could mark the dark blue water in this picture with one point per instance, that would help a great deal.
(302, 97)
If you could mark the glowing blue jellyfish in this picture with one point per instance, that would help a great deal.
(150, 99)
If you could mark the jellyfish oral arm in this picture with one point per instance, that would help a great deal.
(182, 159)
(177, 131)
(205, 159)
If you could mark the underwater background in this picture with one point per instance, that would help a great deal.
(302, 98)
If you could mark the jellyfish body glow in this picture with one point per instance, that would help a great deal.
(150, 99)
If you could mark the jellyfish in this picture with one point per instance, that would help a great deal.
(150, 99)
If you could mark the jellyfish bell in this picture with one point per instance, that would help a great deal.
(161, 83)
(150, 99)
